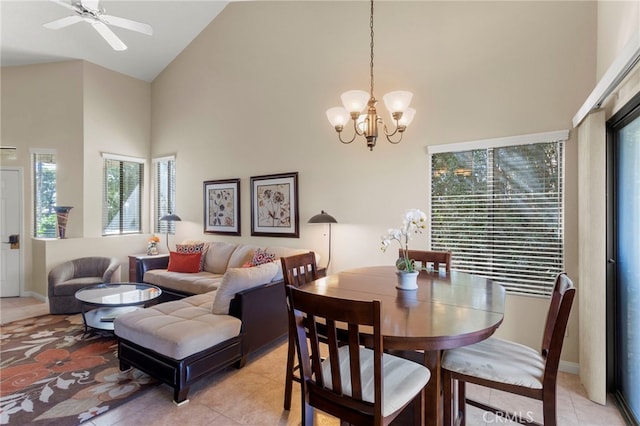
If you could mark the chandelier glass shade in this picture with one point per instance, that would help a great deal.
(360, 107)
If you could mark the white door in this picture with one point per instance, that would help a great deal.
(10, 238)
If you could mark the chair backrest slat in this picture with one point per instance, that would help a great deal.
(299, 269)
(438, 258)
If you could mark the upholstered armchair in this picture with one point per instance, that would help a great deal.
(68, 277)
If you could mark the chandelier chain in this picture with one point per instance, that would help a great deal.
(371, 63)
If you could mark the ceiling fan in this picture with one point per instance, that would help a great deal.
(91, 12)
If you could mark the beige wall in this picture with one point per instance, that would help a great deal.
(80, 110)
(248, 96)
(117, 118)
(618, 23)
(42, 108)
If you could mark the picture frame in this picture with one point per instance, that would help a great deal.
(222, 207)
(274, 205)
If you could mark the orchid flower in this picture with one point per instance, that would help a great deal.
(414, 222)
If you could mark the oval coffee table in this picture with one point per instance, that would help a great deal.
(107, 301)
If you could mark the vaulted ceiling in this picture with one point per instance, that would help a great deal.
(24, 40)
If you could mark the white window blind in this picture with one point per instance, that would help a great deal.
(164, 175)
(122, 195)
(43, 164)
(500, 211)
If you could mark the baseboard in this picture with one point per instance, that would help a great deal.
(569, 367)
(34, 295)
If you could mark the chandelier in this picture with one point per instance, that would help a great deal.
(367, 123)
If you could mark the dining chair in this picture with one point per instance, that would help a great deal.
(296, 270)
(512, 367)
(357, 384)
(437, 258)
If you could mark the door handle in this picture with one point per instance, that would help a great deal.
(14, 240)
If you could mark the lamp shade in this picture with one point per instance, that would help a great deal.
(171, 217)
(397, 101)
(407, 117)
(354, 100)
(338, 116)
(323, 217)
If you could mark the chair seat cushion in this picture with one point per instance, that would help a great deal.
(178, 329)
(497, 360)
(402, 379)
(69, 288)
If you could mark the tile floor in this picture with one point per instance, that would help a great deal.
(253, 395)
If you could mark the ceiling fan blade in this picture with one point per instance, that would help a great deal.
(109, 36)
(62, 22)
(90, 4)
(65, 4)
(127, 24)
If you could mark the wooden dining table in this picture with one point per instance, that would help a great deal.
(448, 310)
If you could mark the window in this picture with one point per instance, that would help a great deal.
(44, 193)
(122, 195)
(164, 175)
(498, 206)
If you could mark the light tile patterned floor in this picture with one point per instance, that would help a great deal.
(253, 396)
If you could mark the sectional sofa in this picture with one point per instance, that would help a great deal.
(216, 316)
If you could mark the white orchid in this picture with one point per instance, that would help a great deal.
(413, 223)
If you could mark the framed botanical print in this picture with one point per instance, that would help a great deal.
(222, 207)
(274, 205)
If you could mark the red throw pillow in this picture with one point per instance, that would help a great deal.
(193, 248)
(184, 262)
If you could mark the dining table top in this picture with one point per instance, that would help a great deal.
(447, 310)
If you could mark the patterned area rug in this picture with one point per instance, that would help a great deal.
(52, 372)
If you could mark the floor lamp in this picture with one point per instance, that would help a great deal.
(171, 217)
(325, 217)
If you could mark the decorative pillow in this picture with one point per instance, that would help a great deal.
(193, 247)
(262, 256)
(183, 262)
(238, 279)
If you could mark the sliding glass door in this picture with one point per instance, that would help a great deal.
(624, 263)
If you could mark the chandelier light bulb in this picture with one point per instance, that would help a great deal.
(361, 123)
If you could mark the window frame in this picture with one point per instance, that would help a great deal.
(158, 211)
(35, 221)
(487, 144)
(122, 159)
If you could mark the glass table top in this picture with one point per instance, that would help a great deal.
(118, 294)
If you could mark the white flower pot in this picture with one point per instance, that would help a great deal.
(407, 280)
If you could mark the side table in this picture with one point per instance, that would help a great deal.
(135, 273)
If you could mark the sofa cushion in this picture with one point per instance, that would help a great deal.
(238, 279)
(217, 257)
(241, 255)
(196, 283)
(184, 262)
(178, 329)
